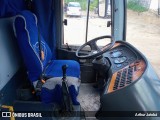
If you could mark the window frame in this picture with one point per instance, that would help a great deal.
(75, 47)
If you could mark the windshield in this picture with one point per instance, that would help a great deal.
(75, 33)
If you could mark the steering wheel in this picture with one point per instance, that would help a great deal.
(95, 50)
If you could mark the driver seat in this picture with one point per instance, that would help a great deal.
(26, 31)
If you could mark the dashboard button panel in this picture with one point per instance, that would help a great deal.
(126, 76)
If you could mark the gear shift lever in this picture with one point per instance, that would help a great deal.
(64, 68)
(66, 99)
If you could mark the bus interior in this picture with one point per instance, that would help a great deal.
(79, 59)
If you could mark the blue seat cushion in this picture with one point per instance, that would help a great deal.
(55, 68)
(52, 92)
(54, 87)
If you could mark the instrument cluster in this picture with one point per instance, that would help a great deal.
(120, 57)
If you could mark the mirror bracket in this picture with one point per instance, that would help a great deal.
(65, 22)
(109, 23)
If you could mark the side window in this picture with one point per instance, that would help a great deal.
(75, 11)
(143, 29)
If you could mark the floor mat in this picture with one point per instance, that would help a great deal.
(89, 98)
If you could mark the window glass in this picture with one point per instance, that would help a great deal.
(143, 29)
(76, 14)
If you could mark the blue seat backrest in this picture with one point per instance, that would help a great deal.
(27, 34)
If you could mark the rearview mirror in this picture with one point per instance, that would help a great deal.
(104, 8)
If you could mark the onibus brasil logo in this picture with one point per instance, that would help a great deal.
(15, 114)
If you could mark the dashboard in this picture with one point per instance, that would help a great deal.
(127, 66)
(132, 84)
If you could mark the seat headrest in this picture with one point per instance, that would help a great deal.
(25, 18)
(28, 16)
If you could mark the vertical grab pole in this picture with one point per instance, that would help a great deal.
(87, 20)
(158, 7)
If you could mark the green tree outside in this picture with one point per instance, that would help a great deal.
(136, 5)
